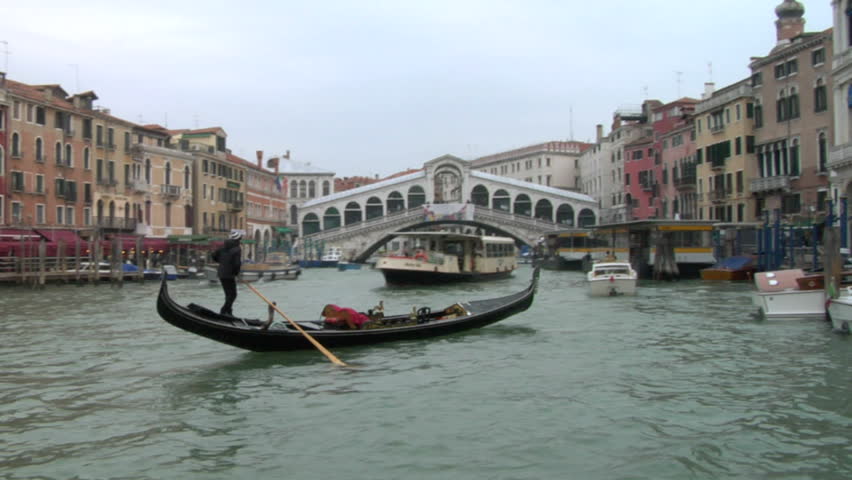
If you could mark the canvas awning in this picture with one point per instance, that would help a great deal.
(283, 229)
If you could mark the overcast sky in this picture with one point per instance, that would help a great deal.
(375, 87)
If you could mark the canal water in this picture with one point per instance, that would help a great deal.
(679, 382)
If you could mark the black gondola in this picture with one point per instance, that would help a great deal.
(251, 335)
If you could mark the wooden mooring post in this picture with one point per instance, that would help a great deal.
(832, 261)
(40, 279)
(139, 263)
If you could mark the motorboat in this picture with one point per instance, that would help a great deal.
(611, 278)
(840, 311)
(329, 259)
(731, 269)
(789, 294)
(343, 266)
(438, 257)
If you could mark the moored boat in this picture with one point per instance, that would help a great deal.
(840, 311)
(257, 335)
(612, 278)
(731, 268)
(440, 257)
(789, 294)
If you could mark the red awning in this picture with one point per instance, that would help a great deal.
(155, 244)
(15, 234)
(67, 236)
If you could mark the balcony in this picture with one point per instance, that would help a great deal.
(213, 230)
(768, 184)
(718, 195)
(107, 182)
(170, 190)
(685, 182)
(718, 128)
(235, 206)
(717, 164)
(69, 132)
(115, 223)
(840, 156)
(647, 186)
(138, 186)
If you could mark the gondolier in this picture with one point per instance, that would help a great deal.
(229, 258)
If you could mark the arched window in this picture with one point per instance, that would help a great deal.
(479, 196)
(39, 150)
(326, 188)
(69, 159)
(793, 103)
(312, 189)
(100, 210)
(823, 151)
(395, 202)
(416, 196)
(523, 205)
(303, 189)
(781, 113)
(294, 189)
(352, 213)
(16, 145)
(820, 96)
(501, 201)
(544, 210)
(331, 219)
(374, 208)
(310, 224)
(794, 158)
(586, 218)
(111, 211)
(168, 174)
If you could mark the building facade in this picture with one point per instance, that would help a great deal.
(725, 144)
(840, 159)
(552, 164)
(47, 157)
(793, 119)
(266, 207)
(4, 121)
(305, 182)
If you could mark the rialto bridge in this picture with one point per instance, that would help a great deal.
(361, 220)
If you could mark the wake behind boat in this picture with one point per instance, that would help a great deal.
(250, 334)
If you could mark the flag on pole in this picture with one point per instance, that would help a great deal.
(278, 184)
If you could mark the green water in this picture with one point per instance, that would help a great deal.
(678, 382)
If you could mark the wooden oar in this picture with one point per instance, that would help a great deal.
(319, 346)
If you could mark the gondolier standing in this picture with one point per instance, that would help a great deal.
(229, 259)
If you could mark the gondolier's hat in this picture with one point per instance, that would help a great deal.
(236, 235)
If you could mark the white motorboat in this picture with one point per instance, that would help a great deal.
(840, 311)
(789, 294)
(612, 278)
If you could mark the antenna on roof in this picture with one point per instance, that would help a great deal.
(76, 76)
(679, 75)
(6, 52)
(571, 122)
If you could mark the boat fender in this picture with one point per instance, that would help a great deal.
(421, 256)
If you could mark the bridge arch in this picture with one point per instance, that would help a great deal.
(479, 195)
(522, 205)
(489, 229)
(331, 219)
(310, 224)
(565, 215)
(395, 202)
(375, 208)
(586, 218)
(352, 213)
(501, 201)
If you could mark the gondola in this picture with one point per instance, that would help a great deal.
(251, 334)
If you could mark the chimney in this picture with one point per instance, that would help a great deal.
(259, 154)
(616, 122)
(286, 155)
(709, 88)
(791, 22)
(598, 133)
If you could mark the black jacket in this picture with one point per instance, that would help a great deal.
(229, 259)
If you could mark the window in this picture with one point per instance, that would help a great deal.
(818, 57)
(69, 216)
(204, 191)
(750, 144)
(40, 214)
(757, 79)
(738, 146)
(2, 121)
(792, 67)
(823, 151)
(16, 145)
(87, 128)
(16, 110)
(126, 141)
(2, 169)
(39, 150)
(740, 184)
(87, 216)
(99, 135)
(739, 112)
(793, 104)
(17, 181)
(186, 178)
(40, 116)
(781, 107)
(111, 172)
(99, 172)
(779, 71)
(749, 110)
(17, 212)
(39, 186)
(111, 137)
(69, 161)
(60, 215)
(86, 161)
(791, 204)
(820, 97)
(758, 115)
